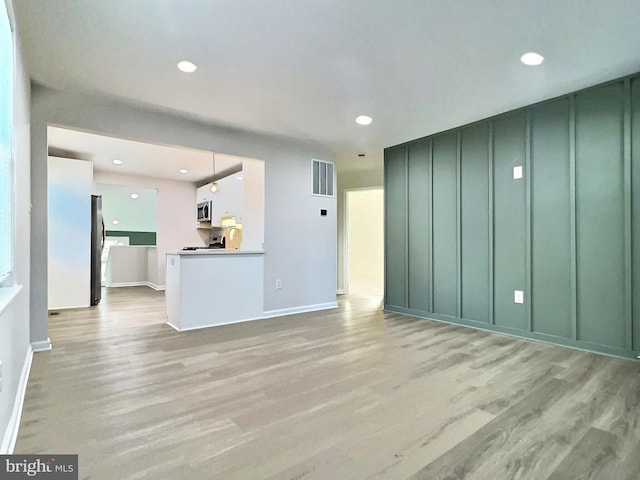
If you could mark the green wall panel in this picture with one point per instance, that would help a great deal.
(600, 215)
(474, 218)
(419, 226)
(635, 206)
(395, 177)
(463, 234)
(135, 238)
(509, 149)
(445, 224)
(551, 292)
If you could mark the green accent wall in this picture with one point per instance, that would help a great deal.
(135, 238)
(445, 230)
(396, 206)
(474, 224)
(551, 219)
(600, 215)
(419, 260)
(462, 234)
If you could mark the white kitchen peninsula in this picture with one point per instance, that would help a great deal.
(205, 288)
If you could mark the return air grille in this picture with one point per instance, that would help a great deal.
(322, 178)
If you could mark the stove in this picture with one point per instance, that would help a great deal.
(210, 247)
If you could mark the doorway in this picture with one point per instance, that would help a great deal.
(365, 241)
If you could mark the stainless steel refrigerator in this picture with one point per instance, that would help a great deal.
(97, 242)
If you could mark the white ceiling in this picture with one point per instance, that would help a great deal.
(307, 68)
(159, 161)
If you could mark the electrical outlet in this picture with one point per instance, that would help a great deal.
(518, 296)
(279, 284)
(517, 172)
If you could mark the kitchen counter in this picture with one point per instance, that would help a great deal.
(216, 251)
(212, 287)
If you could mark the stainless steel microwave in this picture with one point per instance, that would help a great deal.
(204, 211)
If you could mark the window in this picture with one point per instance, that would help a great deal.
(6, 145)
(322, 178)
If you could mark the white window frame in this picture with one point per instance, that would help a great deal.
(7, 279)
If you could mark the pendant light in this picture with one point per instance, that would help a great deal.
(214, 184)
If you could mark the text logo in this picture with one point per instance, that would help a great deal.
(52, 467)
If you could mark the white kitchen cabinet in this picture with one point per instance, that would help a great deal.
(240, 195)
(203, 194)
(227, 201)
(69, 225)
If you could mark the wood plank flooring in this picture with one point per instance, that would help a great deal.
(344, 394)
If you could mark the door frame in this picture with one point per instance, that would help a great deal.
(345, 246)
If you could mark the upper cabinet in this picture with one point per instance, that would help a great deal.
(225, 202)
(240, 195)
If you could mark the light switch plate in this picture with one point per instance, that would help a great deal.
(517, 172)
(518, 296)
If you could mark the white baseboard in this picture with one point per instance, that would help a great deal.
(42, 346)
(127, 284)
(268, 314)
(11, 433)
(306, 308)
(213, 324)
(137, 284)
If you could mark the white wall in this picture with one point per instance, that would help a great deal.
(176, 223)
(134, 214)
(69, 234)
(14, 321)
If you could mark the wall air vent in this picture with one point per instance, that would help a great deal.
(322, 178)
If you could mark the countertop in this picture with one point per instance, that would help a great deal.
(216, 251)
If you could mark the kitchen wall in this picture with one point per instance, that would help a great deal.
(300, 244)
(15, 351)
(133, 215)
(175, 213)
(463, 235)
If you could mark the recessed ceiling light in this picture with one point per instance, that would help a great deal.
(134, 195)
(186, 66)
(532, 58)
(117, 162)
(363, 120)
(184, 171)
(115, 222)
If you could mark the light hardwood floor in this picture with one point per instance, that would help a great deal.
(343, 394)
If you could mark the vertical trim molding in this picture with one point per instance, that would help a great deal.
(459, 312)
(628, 268)
(572, 217)
(406, 226)
(430, 196)
(491, 227)
(528, 171)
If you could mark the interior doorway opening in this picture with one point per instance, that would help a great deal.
(365, 241)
